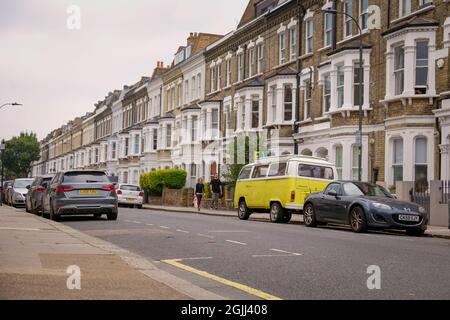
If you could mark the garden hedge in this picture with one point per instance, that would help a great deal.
(153, 182)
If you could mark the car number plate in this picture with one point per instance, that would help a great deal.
(404, 217)
(130, 199)
(88, 192)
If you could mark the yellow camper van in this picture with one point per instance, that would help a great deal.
(280, 185)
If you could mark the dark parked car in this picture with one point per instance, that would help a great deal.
(78, 192)
(33, 199)
(363, 206)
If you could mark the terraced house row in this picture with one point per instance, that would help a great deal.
(288, 74)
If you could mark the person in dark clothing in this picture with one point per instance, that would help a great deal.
(199, 190)
(216, 191)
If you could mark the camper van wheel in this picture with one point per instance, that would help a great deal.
(243, 211)
(276, 212)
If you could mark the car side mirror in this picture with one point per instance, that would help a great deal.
(332, 193)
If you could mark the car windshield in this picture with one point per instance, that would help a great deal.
(365, 189)
(22, 183)
(85, 177)
(130, 188)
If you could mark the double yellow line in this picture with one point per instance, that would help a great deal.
(255, 292)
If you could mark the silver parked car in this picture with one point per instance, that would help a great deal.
(79, 192)
(17, 193)
(35, 195)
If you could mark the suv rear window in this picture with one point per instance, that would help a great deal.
(312, 171)
(130, 188)
(85, 177)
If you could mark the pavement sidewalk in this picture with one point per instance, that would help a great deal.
(438, 232)
(35, 254)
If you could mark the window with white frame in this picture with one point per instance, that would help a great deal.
(399, 69)
(307, 100)
(155, 139)
(293, 39)
(363, 13)
(251, 62)
(186, 91)
(421, 66)
(240, 67)
(255, 112)
(328, 29)
(193, 89)
(242, 115)
(219, 76)
(358, 84)
(326, 93)
(420, 164)
(273, 104)
(405, 7)
(136, 143)
(215, 122)
(113, 150)
(227, 118)
(260, 53)
(397, 163)
(169, 136)
(288, 100)
(199, 85)
(228, 72)
(355, 162)
(213, 78)
(179, 94)
(194, 128)
(348, 23)
(282, 48)
(309, 35)
(340, 86)
(339, 160)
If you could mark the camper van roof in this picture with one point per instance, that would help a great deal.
(290, 157)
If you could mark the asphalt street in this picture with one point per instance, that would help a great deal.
(287, 261)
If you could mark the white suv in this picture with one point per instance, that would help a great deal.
(130, 195)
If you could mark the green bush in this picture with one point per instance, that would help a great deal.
(154, 182)
(207, 194)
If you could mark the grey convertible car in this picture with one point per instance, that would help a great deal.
(363, 206)
(79, 192)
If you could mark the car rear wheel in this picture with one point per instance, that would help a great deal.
(358, 220)
(26, 207)
(417, 232)
(276, 212)
(112, 216)
(243, 211)
(309, 215)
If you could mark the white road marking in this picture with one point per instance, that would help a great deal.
(205, 235)
(182, 231)
(272, 255)
(236, 242)
(228, 231)
(164, 227)
(282, 251)
(137, 222)
(150, 224)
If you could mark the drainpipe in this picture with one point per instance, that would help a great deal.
(300, 16)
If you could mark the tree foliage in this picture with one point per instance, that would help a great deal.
(154, 181)
(19, 154)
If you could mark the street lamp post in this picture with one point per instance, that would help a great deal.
(361, 89)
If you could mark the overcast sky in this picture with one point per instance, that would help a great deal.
(58, 73)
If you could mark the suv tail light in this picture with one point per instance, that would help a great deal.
(119, 191)
(108, 188)
(292, 196)
(141, 194)
(40, 189)
(62, 189)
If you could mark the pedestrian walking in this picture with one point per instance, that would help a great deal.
(216, 191)
(199, 190)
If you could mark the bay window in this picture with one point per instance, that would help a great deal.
(194, 129)
(421, 66)
(397, 163)
(113, 150)
(215, 122)
(399, 69)
(242, 115)
(338, 160)
(169, 136)
(355, 162)
(358, 82)
(255, 112)
(340, 86)
(420, 164)
(273, 103)
(288, 102)
(136, 144)
(326, 93)
(155, 139)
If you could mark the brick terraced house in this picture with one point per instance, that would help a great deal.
(290, 75)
